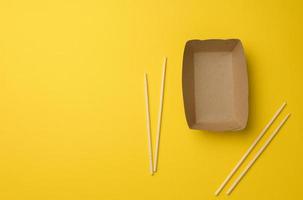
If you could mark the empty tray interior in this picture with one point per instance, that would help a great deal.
(215, 85)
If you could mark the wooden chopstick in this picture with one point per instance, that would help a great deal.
(252, 146)
(148, 125)
(236, 182)
(160, 116)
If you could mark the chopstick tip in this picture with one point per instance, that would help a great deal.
(165, 60)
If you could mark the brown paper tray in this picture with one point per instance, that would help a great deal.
(215, 85)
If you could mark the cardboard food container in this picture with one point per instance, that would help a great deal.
(215, 85)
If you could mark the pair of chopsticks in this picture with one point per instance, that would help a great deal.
(249, 165)
(153, 168)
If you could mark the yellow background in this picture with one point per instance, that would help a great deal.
(72, 112)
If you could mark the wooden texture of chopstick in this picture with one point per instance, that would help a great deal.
(148, 125)
(160, 116)
(252, 146)
(249, 165)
